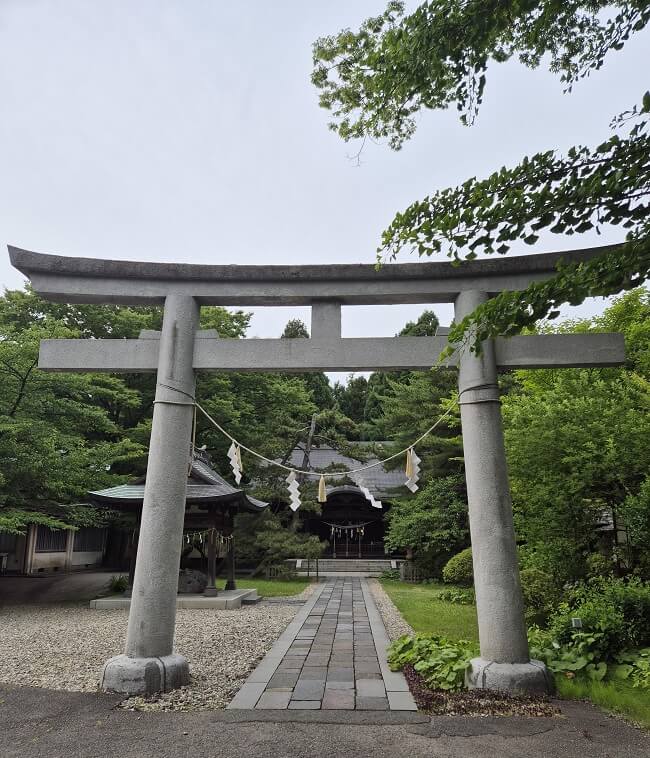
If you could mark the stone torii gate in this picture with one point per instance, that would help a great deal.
(149, 663)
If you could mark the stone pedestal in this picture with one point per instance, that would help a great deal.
(531, 678)
(148, 664)
(137, 676)
(505, 661)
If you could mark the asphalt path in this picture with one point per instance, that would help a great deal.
(37, 723)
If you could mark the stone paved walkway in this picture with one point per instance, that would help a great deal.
(332, 656)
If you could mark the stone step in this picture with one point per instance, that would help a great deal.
(342, 566)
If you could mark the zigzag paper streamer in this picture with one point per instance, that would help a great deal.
(413, 470)
(234, 456)
(368, 495)
(294, 491)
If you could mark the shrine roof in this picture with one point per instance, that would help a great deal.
(381, 481)
(205, 486)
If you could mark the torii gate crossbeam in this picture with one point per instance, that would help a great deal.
(149, 663)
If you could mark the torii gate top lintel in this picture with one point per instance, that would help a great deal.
(324, 288)
(93, 280)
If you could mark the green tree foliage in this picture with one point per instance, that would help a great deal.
(376, 80)
(381, 384)
(426, 326)
(351, 398)
(578, 446)
(433, 524)
(414, 405)
(64, 434)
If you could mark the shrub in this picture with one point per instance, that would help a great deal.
(580, 656)
(458, 596)
(391, 575)
(599, 565)
(118, 583)
(634, 666)
(440, 662)
(617, 608)
(459, 569)
(540, 594)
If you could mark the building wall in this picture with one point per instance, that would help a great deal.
(13, 548)
(62, 557)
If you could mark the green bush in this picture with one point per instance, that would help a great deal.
(118, 583)
(617, 608)
(459, 569)
(540, 594)
(390, 575)
(634, 666)
(440, 662)
(580, 656)
(599, 565)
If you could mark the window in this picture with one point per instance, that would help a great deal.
(50, 540)
(89, 540)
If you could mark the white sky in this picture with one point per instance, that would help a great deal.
(188, 130)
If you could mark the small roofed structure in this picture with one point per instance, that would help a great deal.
(210, 507)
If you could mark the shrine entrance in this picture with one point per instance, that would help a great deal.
(350, 525)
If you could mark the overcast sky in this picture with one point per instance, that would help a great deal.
(188, 130)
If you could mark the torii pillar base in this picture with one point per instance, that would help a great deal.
(530, 678)
(144, 676)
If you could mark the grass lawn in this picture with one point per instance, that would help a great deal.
(269, 587)
(419, 605)
(616, 697)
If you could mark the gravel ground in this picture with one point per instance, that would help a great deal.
(64, 648)
(393, 619)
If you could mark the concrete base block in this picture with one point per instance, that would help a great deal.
(144, 676)
(225, 600)
(532, 678)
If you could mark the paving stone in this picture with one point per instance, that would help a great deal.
(371, 704)
(340, 675)
(317, 660)
(401, 701)
(367, 668)
(309, 689)
(335, 685)
(282, 679)
(314, 672)
(274, 701)
(332, 651)
(339, 700)
(370, 688)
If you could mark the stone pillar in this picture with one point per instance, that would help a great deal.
(230, 566)
(504, 663)
(148, 664)
(69, 549)
(211, 587)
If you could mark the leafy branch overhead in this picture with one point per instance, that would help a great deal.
(375, 80)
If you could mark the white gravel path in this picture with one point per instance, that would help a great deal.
(393, 619)
(64, 647)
